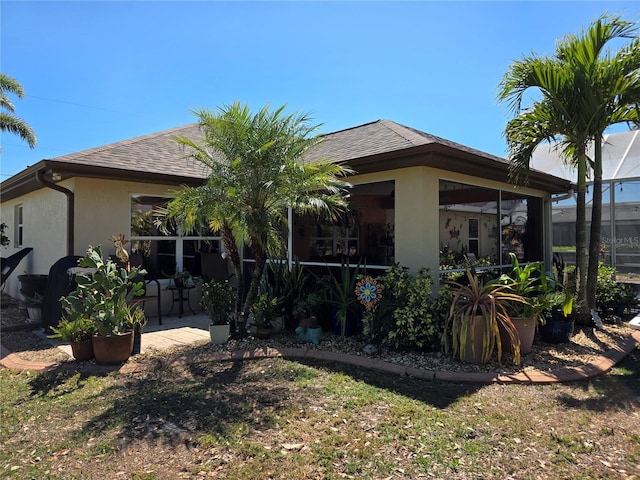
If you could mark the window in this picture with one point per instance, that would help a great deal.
(162, 252)
(474, 238)
(479, 223)
(19, 229)
(365, 233)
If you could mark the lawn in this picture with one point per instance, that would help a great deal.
(282, 419)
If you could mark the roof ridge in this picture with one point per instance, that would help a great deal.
(350, 128)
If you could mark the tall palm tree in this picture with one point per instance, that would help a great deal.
(613, 97)
(257, 173)
(582, 93)
(8, 121)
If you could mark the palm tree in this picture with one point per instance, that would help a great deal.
(257, 173)
(613, 97)
(582, 94)
(8, 121)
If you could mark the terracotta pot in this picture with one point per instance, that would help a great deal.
(112, 349)
(82, 351)
(526, 328)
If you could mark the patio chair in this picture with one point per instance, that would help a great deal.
(135, 260)
(60, 283)
(10, 263)
(215, 266)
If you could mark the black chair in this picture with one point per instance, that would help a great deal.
(60, 284)
(215, 267)
(10, 263)
(135, 260)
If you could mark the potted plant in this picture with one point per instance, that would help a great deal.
(219, 300)
(264, 314)
(341, 295)
(32, 288)
(558, 326)
(532, 284)
(304, 311)
(103, 293)
(78, 332)
(137, 319)
(477, 309)
(181, 278)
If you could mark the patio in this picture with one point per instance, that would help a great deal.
(174, 332)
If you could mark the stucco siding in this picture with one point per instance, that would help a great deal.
(44, 230)
(103, 210)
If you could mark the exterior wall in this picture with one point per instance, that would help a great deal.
(102, 209)
(44, 230)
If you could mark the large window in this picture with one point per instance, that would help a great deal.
(162, 251)
(365, 233)
(483, 225)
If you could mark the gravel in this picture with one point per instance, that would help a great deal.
(586, 345)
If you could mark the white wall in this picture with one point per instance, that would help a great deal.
(44, 230)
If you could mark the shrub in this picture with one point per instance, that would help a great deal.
(407, 316)
(612, 297)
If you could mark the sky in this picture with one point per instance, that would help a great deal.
(95, 73)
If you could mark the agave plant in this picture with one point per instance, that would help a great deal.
(487, 303)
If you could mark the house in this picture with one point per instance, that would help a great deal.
(414, 196)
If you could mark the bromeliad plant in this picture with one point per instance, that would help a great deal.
(104, 293)
(487, 303)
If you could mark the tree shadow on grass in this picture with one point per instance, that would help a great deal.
(177, 405)
(618, 389)
(435, 393)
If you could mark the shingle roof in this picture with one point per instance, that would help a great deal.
(154, 153)
(380, 137)
(375, 146)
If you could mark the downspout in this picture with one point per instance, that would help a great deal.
(70, 207)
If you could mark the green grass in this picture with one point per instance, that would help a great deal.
(279, 419)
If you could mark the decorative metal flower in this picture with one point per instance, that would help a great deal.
(368, 291)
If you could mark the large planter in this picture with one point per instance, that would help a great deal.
(82, 351)
(526, 328)
(473, 348)
(219, 333)
(556, 331)
(112, 349)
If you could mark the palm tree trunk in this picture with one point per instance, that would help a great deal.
(256, 277)
(596, 225)
(581, 234)
(231, 247)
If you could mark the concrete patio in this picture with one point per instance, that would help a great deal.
(174, 332)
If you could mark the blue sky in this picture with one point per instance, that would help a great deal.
(100, 72)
